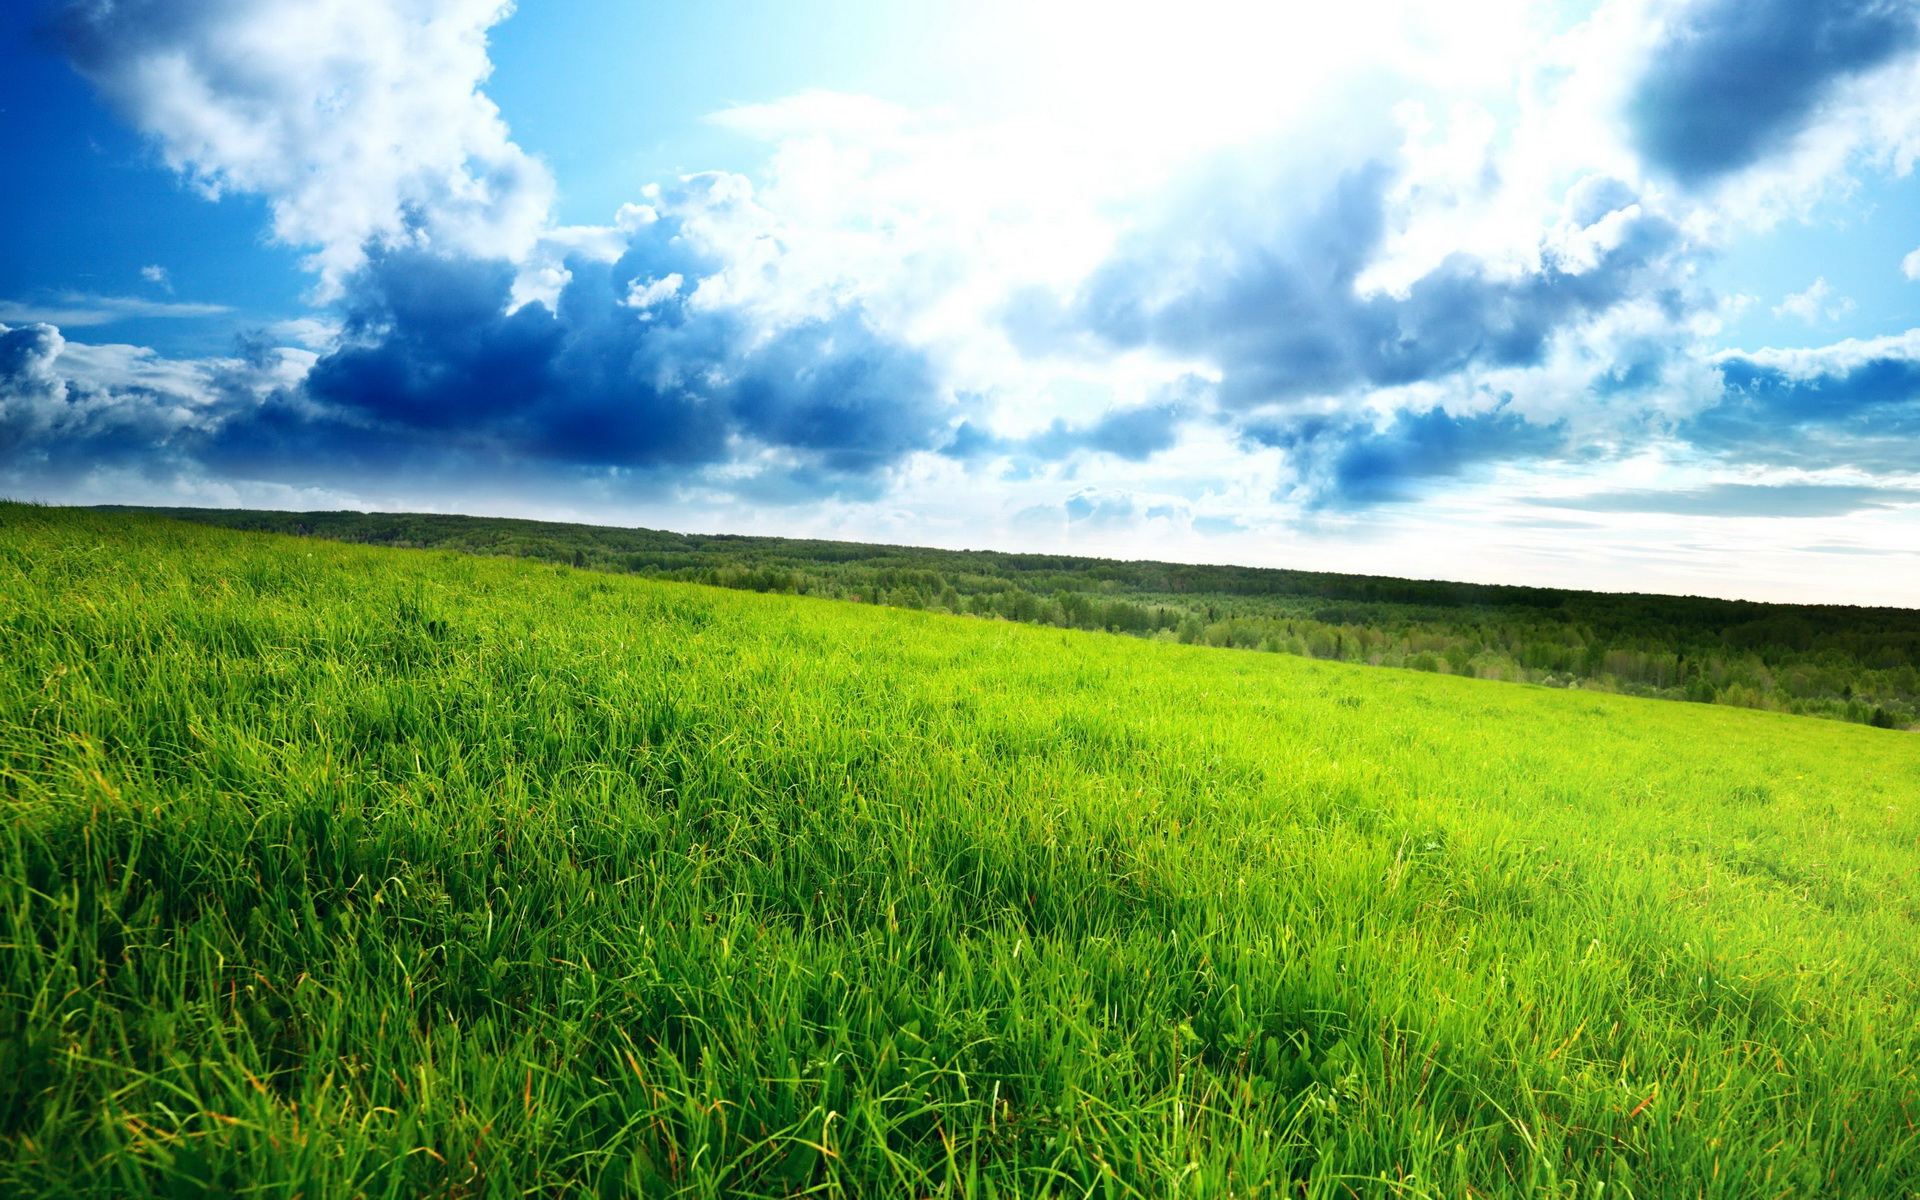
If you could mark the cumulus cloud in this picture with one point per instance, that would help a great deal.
(1814, 305)
(1910, 266)
(361, 121)
(1369, 391)
(157, 275)
(29, 385)
(434, 362)
(692, 375)
(68, 409)
(1735, 80)
(1095, 507)
(1279, 312)
(693, 333)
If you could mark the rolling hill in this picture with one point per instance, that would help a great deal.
(1841, 661)
(336, 870)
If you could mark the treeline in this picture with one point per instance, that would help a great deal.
(1855, 664)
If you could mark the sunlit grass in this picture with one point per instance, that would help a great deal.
(331, 871)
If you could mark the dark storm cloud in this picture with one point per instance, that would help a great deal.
(1350, 461)
(1742, 500)
(1862, 412)
(1736, 79)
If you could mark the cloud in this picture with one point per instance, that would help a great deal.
(27, 376)
(157, 275)
(69, 409)
(1741, 500)
(1134, 434)
(1277, 307)
(80, 309)
(1388, 302)
(1854, 404)
(1218, 526)
(360, 121)
(696, 375)
(1370, 391)
(1910, 266)
(1733, 81)
(1097, 508)
(695, 337)
(1354, 461)
(315, 333)
(1813, 305)
(1095, 511)
(434, 366)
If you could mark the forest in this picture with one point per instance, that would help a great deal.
(1850, 663)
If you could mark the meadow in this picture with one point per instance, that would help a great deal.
(1832, 660)
(338, 871)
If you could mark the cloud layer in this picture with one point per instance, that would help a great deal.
(1856, 404)
(1316, 319)
(1743, 500)
(435, 361)
(79, 309)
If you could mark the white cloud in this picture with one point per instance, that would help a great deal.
(645, 295)
(358, 120)
(1910, 266)
(57, 396)
(314, 333)
(75, 309)
(1837, 359)
(157, 275)
(1814, 305)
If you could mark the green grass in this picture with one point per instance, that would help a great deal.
(1854, 664)
(334, 871)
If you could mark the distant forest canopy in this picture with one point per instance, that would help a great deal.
(1855, 664)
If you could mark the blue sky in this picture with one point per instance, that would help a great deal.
(1617, 294)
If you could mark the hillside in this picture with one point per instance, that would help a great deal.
(336, 870)
(1854, 664)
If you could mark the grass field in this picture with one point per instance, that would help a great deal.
(1854, 664)
(335, 871)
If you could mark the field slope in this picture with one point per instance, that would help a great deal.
(1856, 664)
(336, 871)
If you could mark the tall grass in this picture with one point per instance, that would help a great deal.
(332, 871)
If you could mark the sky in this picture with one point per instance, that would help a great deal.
(1620, 295)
